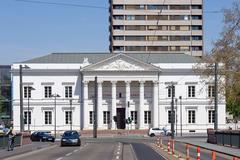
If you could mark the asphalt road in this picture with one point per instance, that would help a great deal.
(92, 151)
(144, 152)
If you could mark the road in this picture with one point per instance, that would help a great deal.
(108, 149)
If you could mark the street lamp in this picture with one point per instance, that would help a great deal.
(55, 110)
(176, 114)
(180, 98)
(70, 100)
(21, 96)
(29, 90)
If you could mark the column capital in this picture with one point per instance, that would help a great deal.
(99, 82)
(128, 82)
(85, 82)
(155, 82)
(141, 82)
(114, 82)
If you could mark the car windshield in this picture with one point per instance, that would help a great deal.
(70, 134)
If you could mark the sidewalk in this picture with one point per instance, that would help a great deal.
(24, 149)
(202, 142)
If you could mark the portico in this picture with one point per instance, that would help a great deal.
(124, 85)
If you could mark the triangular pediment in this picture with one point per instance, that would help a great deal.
(121, 62)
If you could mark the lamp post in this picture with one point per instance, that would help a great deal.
(71, 114)
(55, 110)
(180, 98)
(21, 95)
(29, 95)
(176, 114)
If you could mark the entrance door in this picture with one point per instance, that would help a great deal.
(121, 118)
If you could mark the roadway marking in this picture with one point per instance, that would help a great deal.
(68, 154)
(76, 150)
(118, 152)
(60, 158)
(117, 157)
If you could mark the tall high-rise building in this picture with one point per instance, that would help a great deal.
(155, 26)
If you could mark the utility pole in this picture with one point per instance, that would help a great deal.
(172, 112)
(71, 114)
(95, 109)
(216, 96)
(21, 99)
(180, 98)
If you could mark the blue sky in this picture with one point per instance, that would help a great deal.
(29, 30)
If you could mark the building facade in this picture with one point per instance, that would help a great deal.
(128, 85)
(144, 26)
(5, 93)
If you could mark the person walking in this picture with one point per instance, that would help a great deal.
(11, 138)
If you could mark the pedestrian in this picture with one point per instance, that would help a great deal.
(11, 138)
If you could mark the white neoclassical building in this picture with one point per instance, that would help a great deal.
(128, 85)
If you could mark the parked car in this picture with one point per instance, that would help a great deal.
(42, 136)
(158, 131)
(70, 138)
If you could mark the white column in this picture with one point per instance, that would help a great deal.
(114, 108)
(85, 105)
(155, 105)
(127, 113)
(99, 107)
(141, 106)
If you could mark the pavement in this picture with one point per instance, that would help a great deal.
(24, 149)
(202, 142)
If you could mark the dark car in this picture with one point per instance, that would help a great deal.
(42, 136)
(70, 138)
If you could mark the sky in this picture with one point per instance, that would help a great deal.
(30, 30)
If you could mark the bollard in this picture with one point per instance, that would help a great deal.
(168, 145)
(214, 155)
(173, 146)
(187, 152)
(161, 146)
(198, 153)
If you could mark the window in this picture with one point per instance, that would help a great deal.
(118, 38)
(147, 117)
(27, 92)
(196, 38)
(179, 7)
(135, 38)
(196, 17)
(179, 38)
(118, 27)
(157, 48)
(191, 116)
(196, 6)
(191, 91)
(134, 17)
(118, 48)
(68, 117)
(118, 17)
(135, 48)
(196, 27)
(91, 117)
(197, 48)
(170, 91)
(211, 116)
(68, 91)
(48, 117)
(134, 7)
(106, 117)
(157, 7)
(157, 17)
(179, 17)
(211, 91)
(47, 91)
(169, 116)
(134, 116)
(117, 6)
(133, 27)
(27, 117)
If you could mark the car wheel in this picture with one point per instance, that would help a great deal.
(152, 135)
